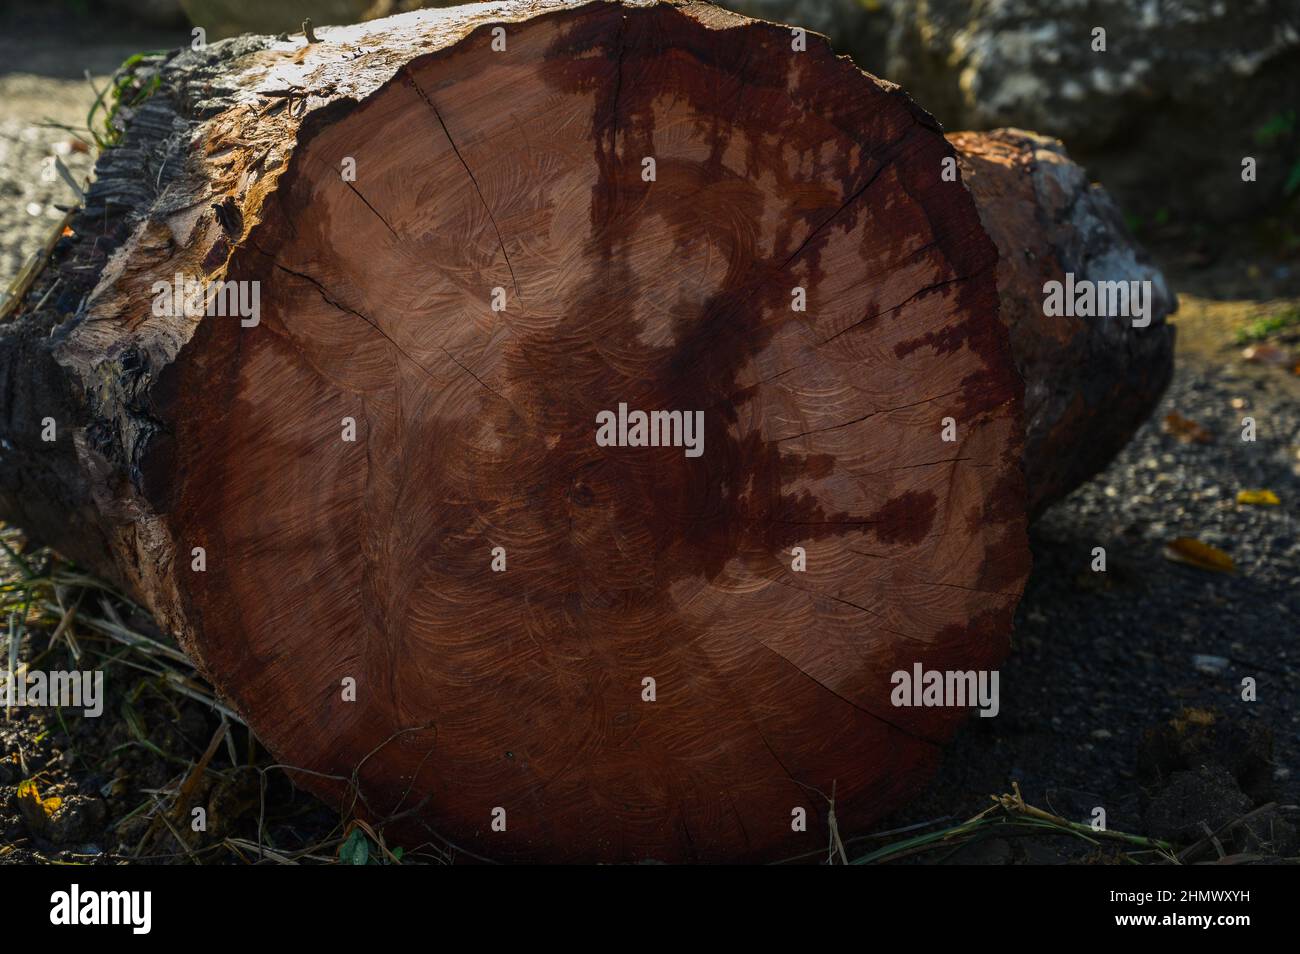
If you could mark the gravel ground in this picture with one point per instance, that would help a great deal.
(33, 205)
(44, 55)
(1103, 663)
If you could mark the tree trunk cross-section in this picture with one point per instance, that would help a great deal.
(517, 177)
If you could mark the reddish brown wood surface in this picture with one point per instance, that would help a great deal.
(522, 170)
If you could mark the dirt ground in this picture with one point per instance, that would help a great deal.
(1123, 691)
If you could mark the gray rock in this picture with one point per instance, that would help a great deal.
(859, 28)
(1184, 90)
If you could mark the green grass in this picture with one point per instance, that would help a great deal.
(1264, 328)
(124, 89)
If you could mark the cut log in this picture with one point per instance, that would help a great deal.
(399, 485)
(1090, 381)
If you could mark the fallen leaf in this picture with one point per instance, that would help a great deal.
(1200, 555)
(1187, 430)
(355, 850)
(1265, 498)
(36, 811)
(1267, 354)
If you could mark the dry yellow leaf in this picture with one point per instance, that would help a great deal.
(1264, 498)
(36, 810)
(1200, 555)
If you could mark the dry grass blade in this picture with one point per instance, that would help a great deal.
(11, 666)
(1212, 836)
(1009, 813)
(184, 793)
(31, 270)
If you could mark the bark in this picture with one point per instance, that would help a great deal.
(1090, 381)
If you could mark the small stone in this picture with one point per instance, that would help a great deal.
(1101, 733)
(1210, 665)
